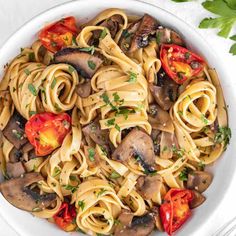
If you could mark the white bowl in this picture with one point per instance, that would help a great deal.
(27, 225)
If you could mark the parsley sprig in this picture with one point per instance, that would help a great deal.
(224, 21)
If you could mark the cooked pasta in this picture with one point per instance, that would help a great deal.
(106, 121)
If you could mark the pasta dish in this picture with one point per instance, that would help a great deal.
(107, 127)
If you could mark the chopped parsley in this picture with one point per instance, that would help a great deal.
(110, 122)
(91, 152)
(101, 192)
(180, 113)
(158, 37)
(74, 41)
(53, 83)
(132, 77)
(126, 33)
(201, 165)
(17, 134)
(204, 119)
(31, 113)
(178, 152)
(125, 112)
(115, 175)
(150, 172)
(71, 188)
(31, 56)
(27, 72)
(71, 69)
(103, 34)
(117, 127)
(56, 106)
(91, 65)
(223, 135)
(81, 204)
(88, 49)
(32, 89)
(56, 171)
(117, 222)
(116, 97)
(184, 174)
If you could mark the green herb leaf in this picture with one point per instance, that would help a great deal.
(88, 49)
(125, 33)
(103, 34)
(184, 174)
(223, 135)
(115, 175)
(31, 57)
(178, 152)
(71, 69)
(56, 171)
(132, 77)
(150, 172)
(81, 204)
(201, 165)
(231, 3)
(117, 127)
(110, 122)
(91, 152)
(116, 97)
(71, 188)
(27, 72)
(53, 83)
(32, 89)
(58, 109)
(101, 192)
(158, 37)
(204, 119)
(31, 113)
(233, 49)
(17, 134)
(91, 65)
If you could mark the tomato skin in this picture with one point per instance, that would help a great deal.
(179, 63)
(46, 131)
(59, 34)
(175, 210)
(65, 216)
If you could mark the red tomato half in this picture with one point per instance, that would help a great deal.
(175, 210)
(65, 216)
(46, 131)
(59, 34)
(180, 63)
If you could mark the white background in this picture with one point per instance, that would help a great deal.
(14, 13)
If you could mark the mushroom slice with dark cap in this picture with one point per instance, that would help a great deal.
(15, 170)
(149, 186)
(17, 191)
(147, 26)
(14, 131)
(199, 180)
(198, 199)
(134, 225)
(139, 144)
(165, 35)
(84, 89)
(165, 91)
(85, 63)
(160, 119)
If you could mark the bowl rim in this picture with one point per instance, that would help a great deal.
(212, 54)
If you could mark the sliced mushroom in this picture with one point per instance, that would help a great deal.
(134, 225)
(156, 138)
(17, 191)
(15, 155)
(199, 180)
(15, 170)
(84, 89)
(160, 119)
(157, 218)
(198, 199)
(14, 131)
(136, 143)
(149, 186)
(94, 131)
(165, 35)
(165, 91)
(147, 26)
(85, 63)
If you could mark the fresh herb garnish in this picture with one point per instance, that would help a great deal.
(114, 175)
(101, 192)
(31, 57)
(110, 122)
(53, 83)
(150, 172)
(184, 174)
(117, 127)
(91, 65)
(223, 135)
(88, 49)
(58, 109)
(201, 165)
(125, 33)
(32, 89)
(204, 119)
(56, 171)
(158, 37)
(91, 152)
(132, 77)
(71, 69)
(27, 72)
(31, 113)
(178, 152)
(103, 34)
(17, 134)
(81, 204)
(71, 188)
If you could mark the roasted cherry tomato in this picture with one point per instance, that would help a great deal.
(46, 131)
(65, 217)
(59, 34)
(175, 210)
(180, 63)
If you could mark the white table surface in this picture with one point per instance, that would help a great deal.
(14, 13)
